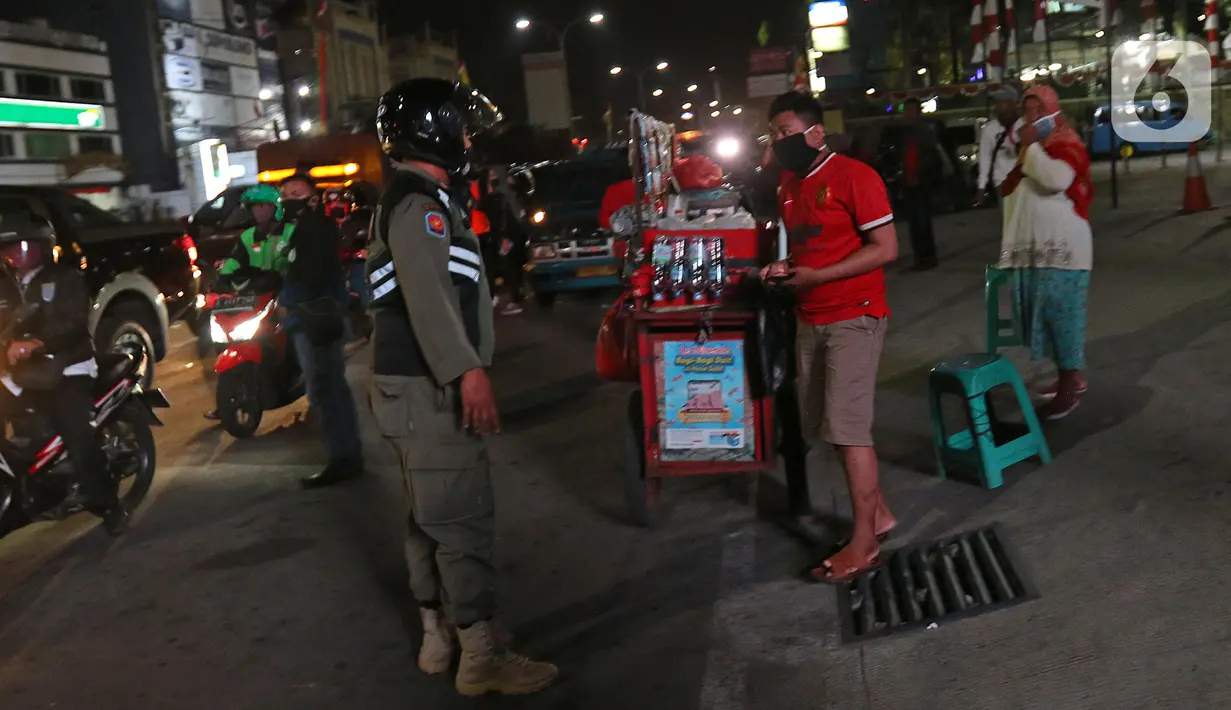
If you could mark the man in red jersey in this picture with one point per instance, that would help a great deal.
(840, 226)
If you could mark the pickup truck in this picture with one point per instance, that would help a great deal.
(142, 277)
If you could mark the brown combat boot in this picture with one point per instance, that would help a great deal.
(439, 642)
(489, 667)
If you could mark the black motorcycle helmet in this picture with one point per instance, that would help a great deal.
(26, 240)
(426, 120)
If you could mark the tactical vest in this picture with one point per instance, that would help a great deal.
(383, 291)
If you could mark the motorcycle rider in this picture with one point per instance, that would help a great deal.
(314, 297)
(261, 252)
(51, 364)
(431, 396)
(262, 247)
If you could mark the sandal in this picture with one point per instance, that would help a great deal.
(824, 574)
(840, 545)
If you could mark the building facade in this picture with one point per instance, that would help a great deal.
(427, 55)
(58, 121)
(335, 63)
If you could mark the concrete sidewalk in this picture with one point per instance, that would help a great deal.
(1124, 534)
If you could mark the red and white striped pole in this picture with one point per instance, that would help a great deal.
(991, 36)
(1010, 21)
(1211, 28)
(976, 32)
(1040, 27)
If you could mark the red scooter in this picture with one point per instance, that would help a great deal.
(257, 368)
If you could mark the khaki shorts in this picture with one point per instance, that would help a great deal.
(836, 379)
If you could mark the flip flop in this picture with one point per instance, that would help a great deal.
(823, 574)
(836, 547)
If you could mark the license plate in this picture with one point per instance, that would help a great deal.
(587, 272)
(236, 303)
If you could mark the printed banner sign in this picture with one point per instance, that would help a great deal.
(704, 395)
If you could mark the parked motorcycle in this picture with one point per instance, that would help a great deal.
(257, 368)
(36, 477)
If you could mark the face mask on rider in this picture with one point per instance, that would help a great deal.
(293, 209)
(793, 152)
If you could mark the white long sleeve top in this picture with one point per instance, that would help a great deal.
(1041, 227)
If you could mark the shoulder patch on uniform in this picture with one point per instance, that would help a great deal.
(436, 225)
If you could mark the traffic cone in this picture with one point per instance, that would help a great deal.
(1196, 195)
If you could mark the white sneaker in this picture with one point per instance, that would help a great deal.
(512, 309)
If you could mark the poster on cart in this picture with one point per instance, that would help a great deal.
(704, 402)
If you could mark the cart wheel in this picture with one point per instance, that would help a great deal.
(642, 494)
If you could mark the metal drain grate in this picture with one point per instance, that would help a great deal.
(934, 582)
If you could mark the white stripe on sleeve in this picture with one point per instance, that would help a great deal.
(465, 254)
(876, 223)
(467, 271)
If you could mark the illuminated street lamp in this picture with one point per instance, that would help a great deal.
(737, 111)
(922, 71)
(871, 91)
(713, 104)
(304, 90)
(595, 18)
(265, 94)
(713, 69)
(661, 67)
(687, 106)
(305, 126)
(687, 115)
(692, 88)
(715, 114)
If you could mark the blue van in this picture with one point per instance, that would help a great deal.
(568, 251)
(1142, 112)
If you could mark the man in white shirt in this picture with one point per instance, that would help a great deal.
(998, 144)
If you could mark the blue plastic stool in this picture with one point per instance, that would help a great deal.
(1003, 332)
(975, 449)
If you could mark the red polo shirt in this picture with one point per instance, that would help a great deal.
(826, 215)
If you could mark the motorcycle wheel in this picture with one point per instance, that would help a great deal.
(132, 457)
(239, 400)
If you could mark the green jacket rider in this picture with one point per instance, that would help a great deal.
(264, 246)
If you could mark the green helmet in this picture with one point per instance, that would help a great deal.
(263, 195)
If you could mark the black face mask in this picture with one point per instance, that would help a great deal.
(794, 154)
(294, 209)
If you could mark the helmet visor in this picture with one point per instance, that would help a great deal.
(478, 111)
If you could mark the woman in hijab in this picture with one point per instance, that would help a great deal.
(1047, 238)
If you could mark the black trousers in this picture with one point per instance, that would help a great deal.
(917, 203)
(68, 407)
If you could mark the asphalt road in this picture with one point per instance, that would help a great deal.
(236, 589)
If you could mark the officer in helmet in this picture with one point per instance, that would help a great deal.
(50, 364)
(431, 396)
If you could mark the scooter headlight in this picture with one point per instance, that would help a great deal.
(216, 333)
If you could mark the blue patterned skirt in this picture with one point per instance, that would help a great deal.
(1053, 311)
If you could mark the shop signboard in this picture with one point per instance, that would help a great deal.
(179, 10)
(30, 113)
(183, 73)
(770, 60)
(191, 108)
(227, 48)
(770, 85)
(828, 13)
(547, 90)
(704, 407)
(179, 38)
(208, 13)
(216, 77)
(245, 81)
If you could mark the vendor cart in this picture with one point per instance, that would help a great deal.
(699, 408)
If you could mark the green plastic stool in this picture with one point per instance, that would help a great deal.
(975, 449)
(1003, 332)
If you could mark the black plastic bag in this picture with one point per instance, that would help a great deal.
(774, 354)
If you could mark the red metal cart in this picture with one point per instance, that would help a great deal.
(698, 410)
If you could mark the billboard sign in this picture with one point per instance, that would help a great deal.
(182, 73)
(208, 13)
(229, 49)
(216, 77)
(829, 13)
(29, 113)
(179, 38)
(245, 81)
(547, 90)
(770, 60)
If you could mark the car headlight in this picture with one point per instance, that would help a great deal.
(543, 252)
(539, 217)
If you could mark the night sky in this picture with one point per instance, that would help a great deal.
(690, 34)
